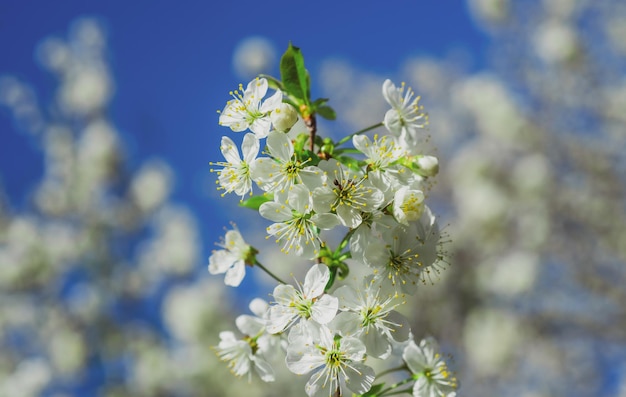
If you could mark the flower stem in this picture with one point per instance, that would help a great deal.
(347, 138)
(311, 124)
(344, 242)
(407, 391)
(266, 270)
(395, 386)
(390, 370)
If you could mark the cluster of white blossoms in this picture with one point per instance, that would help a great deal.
(375, 192)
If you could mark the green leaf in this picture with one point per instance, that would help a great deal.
(373, 392)
(319, 102)
(326, 112)
(255, 202)
(294, 74)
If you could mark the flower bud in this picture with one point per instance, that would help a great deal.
(428, 165)
(284, 117)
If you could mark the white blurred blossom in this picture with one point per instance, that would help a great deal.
(253, 55)
(151, 185)
(555, 41)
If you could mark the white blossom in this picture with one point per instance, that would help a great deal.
(369, 316)
(245, 110)
(255, 326)
(308, 306)
(283, 170)
(369, 231)
(346, 193)
(403, 253)
(405, 119)
(241, 358)
(232, 259)
(435, 379)
(337, 362)
(296, 227)
(408, 205)
(235, 176)
(382, 157)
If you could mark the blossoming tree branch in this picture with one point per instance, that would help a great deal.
(372, 193)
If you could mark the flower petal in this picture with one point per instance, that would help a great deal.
(264, 369)
(284, 294)
(261, 127)
(275, 211)
(315, 281)
(325, 221)
(324, 309)
(359, 378)
(272, 102)
(300, 199)
(249, 325)
(280, 146)
(348, 323)
(235, 274)
(279, 318)
(220, 261)
(259, 307)
(301, 362)
(230, 151)
(250, 148)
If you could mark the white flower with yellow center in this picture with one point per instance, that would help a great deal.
(381, 155)
(434, 379)
(337, 362)
(235, 175)
(369, 316)
(232, 259)
(304, 308)
(268, 345)
(346, 193)
(408, 205)
(283, 170)
(401, 255)
(241, 356)
(381, 152)
(245, 110)
(296, 227)
(406, 118)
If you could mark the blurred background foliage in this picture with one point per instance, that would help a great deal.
(104, 290)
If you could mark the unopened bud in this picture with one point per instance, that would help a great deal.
(284, 117)
(428, 165)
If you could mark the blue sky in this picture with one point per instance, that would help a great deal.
(172, 65)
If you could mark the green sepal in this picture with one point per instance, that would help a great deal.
(294, 75)
(273, 82)
(250, 258)
(343, 270)
(374, 390)
(255, 202)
